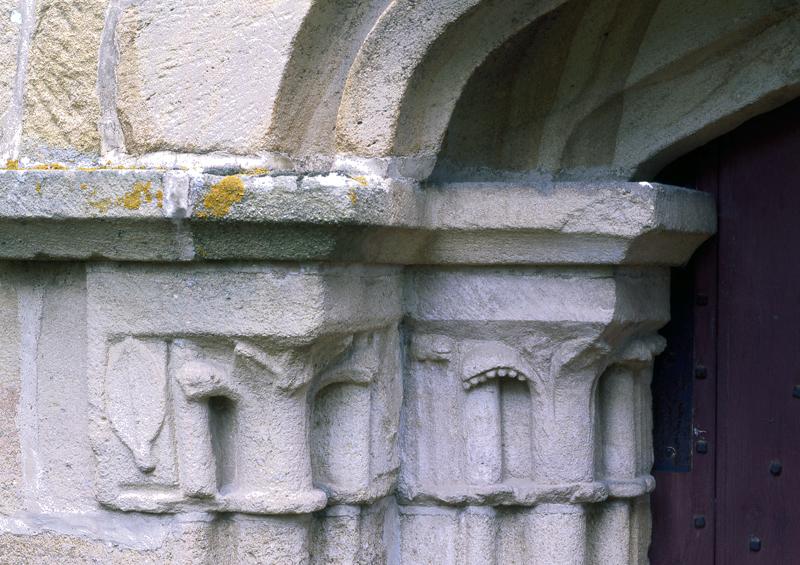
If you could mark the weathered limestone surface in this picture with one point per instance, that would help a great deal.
(178, 216)
(14, 33)
(10, 384)
(168, 98)
(623, 75)
(349, 282)
(10, 24)
(61, 106)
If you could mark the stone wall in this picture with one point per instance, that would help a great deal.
(349, 282)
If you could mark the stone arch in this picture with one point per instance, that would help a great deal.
(599, 89)
(562, 88)
(323, 50)
(410, 71)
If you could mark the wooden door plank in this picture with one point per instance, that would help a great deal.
(759, 340)
(683, 502)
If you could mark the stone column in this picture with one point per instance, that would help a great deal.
(621, 533)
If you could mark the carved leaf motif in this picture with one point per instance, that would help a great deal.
(135, 389)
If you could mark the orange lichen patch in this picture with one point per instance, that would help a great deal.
(132, 199)
(362, 180)
(223, 195)
(49, 167)
(84, 186)
(12, 165)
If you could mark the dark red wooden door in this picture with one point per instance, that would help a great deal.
(735, 360)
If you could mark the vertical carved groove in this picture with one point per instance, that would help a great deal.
(222, 426)
(516, 425)
(484, 434)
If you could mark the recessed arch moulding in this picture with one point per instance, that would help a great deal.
(350, 282)
(577, 89)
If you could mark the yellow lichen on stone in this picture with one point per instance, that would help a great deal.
(223, 195)
(39, 188)
(12, 165)
(110, 167)
(49, 167)
(132, 199)
(352, 194)
(102, 205)
(258, 171)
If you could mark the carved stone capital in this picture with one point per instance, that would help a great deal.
(205, 411)
(352, 411)
(502, 379)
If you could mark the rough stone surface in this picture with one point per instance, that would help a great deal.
(305, 112)
(55, 548)
(10, 24)
(10, 383)
(168, 98)
(61, 105)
